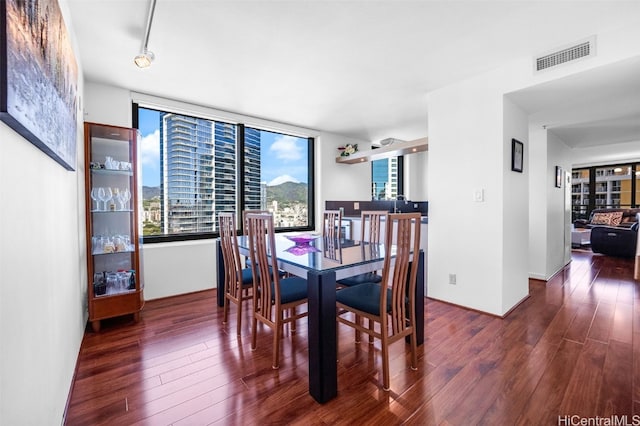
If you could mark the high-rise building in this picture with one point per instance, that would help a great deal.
(384, 179)
(198, 161)
(254, 198)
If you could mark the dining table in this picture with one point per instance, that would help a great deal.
(323, 261)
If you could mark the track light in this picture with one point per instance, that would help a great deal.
(144, 59)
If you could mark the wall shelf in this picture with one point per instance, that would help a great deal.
(393, 150)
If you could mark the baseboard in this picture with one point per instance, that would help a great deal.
(73, 382)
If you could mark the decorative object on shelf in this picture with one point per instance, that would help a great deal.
(348, 149)
(558, 177)
(517, 155)
(39, 78)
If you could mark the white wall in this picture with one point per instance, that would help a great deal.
(515, 217)
(43, 284)
(538, 178)
(416, 177)
(187, 266)
(558, 154)
(467, 238)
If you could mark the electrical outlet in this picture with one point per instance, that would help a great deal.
(452, 279)
(356, 205)
(415, 205)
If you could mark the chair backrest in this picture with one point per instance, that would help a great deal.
(244, 217)
(331, 223)
(370, 225)
(230, 253)
(260, 233)
(404, 228)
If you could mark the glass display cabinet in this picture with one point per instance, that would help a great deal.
(112, 217)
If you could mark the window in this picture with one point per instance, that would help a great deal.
(276, 174)
(385, 181)
(194, 168)
(610, 186)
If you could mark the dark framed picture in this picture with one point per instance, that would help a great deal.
(558, 177)
(517, 155)
(39, 77)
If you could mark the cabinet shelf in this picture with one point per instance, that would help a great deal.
(112, 211)
(112, 172)
(102, 253)
(116, 293)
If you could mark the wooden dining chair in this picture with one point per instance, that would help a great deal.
(370, 230)
(272, 295)
(391, 303)
(238, 281)
(331, 223)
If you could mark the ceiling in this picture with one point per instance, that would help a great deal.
(357, 68)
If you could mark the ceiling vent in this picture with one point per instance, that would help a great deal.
(583, 49)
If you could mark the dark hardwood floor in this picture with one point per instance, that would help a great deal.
(571, 349)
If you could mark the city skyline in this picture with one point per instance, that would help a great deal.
(283, 156)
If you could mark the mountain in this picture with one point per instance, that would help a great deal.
(149, 192)
(287, 192)
(284, 193)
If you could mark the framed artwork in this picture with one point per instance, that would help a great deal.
(39, 77)
(559, 177)
(517, 155)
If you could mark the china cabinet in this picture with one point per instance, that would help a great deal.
(112, 217)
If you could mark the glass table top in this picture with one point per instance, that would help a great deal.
(324, 254)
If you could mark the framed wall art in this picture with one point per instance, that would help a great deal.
(559, 177)
(517, 155)
(39, 77)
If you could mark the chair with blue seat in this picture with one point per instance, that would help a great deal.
(370, 230)
(332, 220)
(238, 281)
(391, 302)
(272, 295)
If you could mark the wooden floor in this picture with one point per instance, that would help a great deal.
(571, 349)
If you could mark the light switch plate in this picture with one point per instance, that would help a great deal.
(478, 195)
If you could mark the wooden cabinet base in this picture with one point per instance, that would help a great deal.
(115, 306)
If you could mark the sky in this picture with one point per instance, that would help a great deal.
(284, 157)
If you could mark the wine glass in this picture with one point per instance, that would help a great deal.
(94, 197)
(102, 197)
(108, 196)
(126, 196)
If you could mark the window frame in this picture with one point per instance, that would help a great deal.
(240, 177)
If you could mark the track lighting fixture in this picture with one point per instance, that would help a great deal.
(144, 59)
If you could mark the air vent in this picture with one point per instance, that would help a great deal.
(581, 50)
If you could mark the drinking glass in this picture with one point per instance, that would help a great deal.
(126, 196)
(107, 197)
(94, 197)
(102, 197)
(112, 282)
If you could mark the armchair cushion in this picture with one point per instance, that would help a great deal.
(619, 217)
(608, 218)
